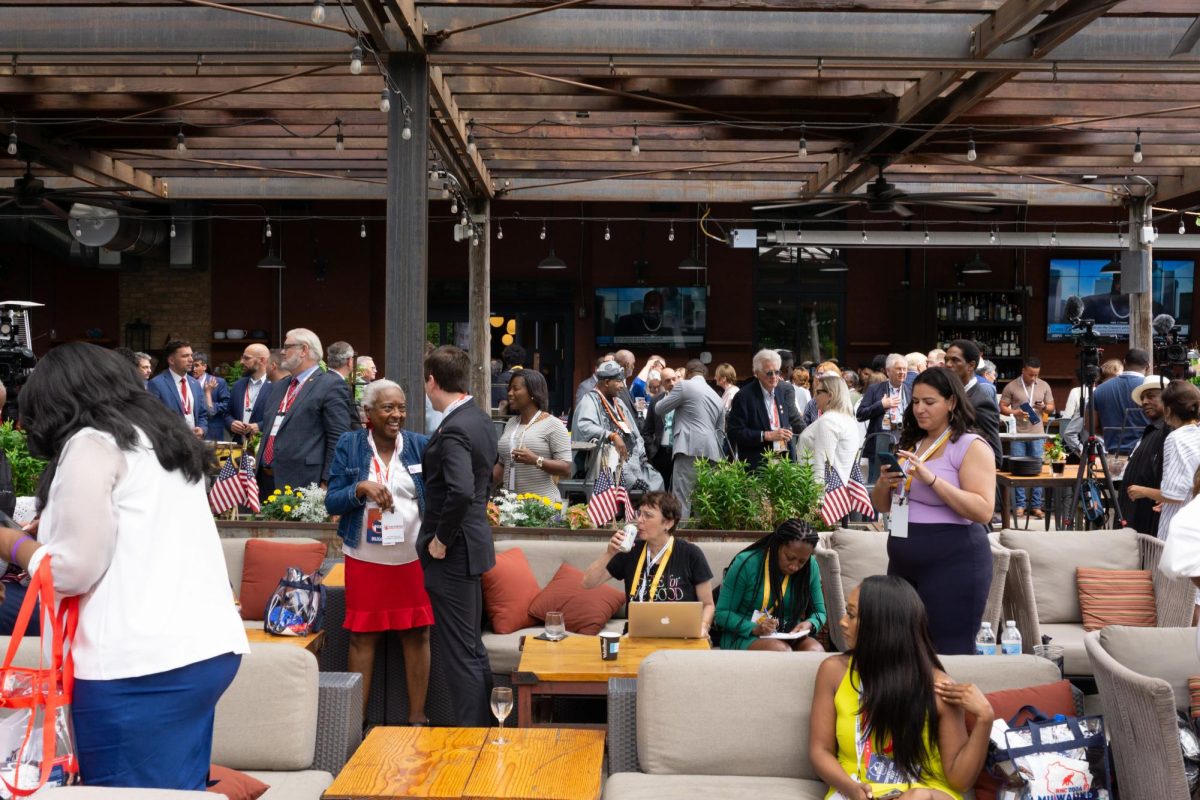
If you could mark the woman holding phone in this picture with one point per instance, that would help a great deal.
(940, 500)
(887, 721)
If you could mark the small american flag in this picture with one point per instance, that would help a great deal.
(227, 490)
(249, 485)
(836, 503)
(602, 507)
(860, 498)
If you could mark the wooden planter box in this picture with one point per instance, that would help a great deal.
(273, 529)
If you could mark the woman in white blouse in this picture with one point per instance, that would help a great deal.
(1181, 453)
(836, 435)
(124, 519)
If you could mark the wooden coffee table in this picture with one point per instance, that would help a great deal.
(573, 667)
(541, 764)
(312, 643)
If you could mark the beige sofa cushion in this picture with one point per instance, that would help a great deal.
(639, 786)
(267, 718)
(235, 556)
(861, 554)
(307, 784)
(1165, 653)
(1053, 557)
(1069, 636)
(994, 674)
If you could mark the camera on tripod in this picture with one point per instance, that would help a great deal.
(1088, 344)
(1170, 354)
(16, 350)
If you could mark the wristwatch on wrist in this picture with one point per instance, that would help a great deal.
(539, 461)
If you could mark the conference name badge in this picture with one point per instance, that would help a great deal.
(277, 424)
(898, 518)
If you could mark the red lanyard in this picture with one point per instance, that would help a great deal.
(290, 397)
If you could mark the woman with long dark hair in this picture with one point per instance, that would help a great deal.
(771, 587)
(939, 503)
(124, 513)
(885, 715)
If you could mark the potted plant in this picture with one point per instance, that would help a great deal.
(26, 469)
(1055, 456)
(729, 497)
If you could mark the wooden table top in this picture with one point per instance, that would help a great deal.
(533, 764)
(539, 764)
(406, 762)
(312, 642)
(1046, 478)
(336, 576)
(577, 658)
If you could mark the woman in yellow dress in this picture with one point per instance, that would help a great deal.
(887, 721)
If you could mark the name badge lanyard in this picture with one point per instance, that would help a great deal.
(619, 420)
(664, 555)
(937, 445)
(515, 444)
(767, 609)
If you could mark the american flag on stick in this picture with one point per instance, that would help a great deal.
(602, 506)
(860, 498)
(235, 486)
(836, 503)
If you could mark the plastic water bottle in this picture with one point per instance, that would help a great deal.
(1010, 641)
(985, 641)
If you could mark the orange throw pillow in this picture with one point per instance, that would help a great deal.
(235, 785)
(508, 589)
(1194, 697)
(266, 562)
(1116, 597)
(1049, 698)
(584, 610)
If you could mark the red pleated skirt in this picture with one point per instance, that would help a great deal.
(385, 597)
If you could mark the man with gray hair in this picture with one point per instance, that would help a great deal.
(882, 408)
(758, 418)
(304, 418)
(698, 413)
(339, 357)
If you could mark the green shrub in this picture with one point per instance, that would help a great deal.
(729, 497)
(26, 469)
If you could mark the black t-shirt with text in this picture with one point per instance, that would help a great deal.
(686, 568)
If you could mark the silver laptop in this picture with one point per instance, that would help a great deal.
(666, 620)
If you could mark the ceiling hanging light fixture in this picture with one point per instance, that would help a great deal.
(318, 12)
(339, 142)
(803, 141)
(499, 230)
(1137, 147)
(12, 140)
(976, 266)
(406, 131)
(356, 56)
(180, 141)
(971, 154)
(385, 101)
(834, 263)
(635, 147)
(552, 262)
(362, 229)
(472, 148)
(542, 235)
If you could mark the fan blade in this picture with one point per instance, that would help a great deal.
(1049, 24)
(814, 200)
(836, 209)
(1189, 40)
(917, 197)
(55, 210)
(88, 190)
(972, 207)
(902, 209)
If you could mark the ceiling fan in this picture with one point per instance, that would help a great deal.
(882, 197)
(29, 193)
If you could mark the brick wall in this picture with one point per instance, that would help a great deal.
(177, 303)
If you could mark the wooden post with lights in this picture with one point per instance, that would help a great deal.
(480, 301)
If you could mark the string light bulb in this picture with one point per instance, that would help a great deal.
(12, 141)
(992, 236)
(499, 230)
(542, 235)
(475, 238)
(803, 141)
(180, 141)
(1182, 227)
(454, 205)
(318, 12)
(671, 232)
(172, 227)
(385, 102)
(1054, 238)
(635, 147)
(472, 148)
(362, 228)
(339, 143)
(445, 190)
(927, 236)
(864, 236)
(356, 56)
(607, 233)
(1137, 147)
(78, 230)
(406, 131)
(268, 231)
(463, 219)
(971, 154)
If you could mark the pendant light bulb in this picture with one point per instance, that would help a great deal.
(635, 147)
(318, 12)
(339, 143)
(499, 231)
(864, 236)
(803, 142)
(542, 235)
(12, 141)
(607, 233)
(926, 236)
(406, 131)
(78, 230)
(992, 236)
(1182, 227)
(454, 206)
(385, 102)
(362, 229)
(268, 231)
(463, 219)
(356, 56)
(671, 233)
(180, 141)
(472, 148)
(172, 229)
(1137, 147)
(971, 154)
(445, 190)
(1054, 238)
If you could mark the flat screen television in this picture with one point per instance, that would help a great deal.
(1100, 294)
(651, 316)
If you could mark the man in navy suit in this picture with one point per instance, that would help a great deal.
(759, 419)
(178, 390)
(250, 392)
(455, 541)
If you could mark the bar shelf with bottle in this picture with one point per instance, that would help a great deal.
(993, 320)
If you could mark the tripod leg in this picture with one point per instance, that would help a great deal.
(1111, 494)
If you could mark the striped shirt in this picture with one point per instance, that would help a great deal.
(547, 438)
(1181, 457)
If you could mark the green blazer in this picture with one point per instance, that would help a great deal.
(741, 596)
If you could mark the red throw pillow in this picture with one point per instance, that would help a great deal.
(584, 610)
(235, 785)
(1049, 698)
(266, 562)
(1116, 597)
(508, 589)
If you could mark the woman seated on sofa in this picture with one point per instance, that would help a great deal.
(916, 740)
(773, 586)
(660, 567)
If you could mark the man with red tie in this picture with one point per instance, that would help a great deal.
(178, 390)
(304, 416)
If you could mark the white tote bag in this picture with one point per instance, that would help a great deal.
(1181, 553)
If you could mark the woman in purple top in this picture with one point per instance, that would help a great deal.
(946, 491)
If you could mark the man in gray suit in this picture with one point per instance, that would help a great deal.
(303, 419)
(699, 414)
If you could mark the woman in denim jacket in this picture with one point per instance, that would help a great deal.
(375, 485)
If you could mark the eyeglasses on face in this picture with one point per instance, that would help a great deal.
(821, 391)
(771, 373)
(290, 345)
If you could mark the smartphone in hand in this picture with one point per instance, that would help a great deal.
(890, 461)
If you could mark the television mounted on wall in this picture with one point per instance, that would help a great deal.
(651, 316)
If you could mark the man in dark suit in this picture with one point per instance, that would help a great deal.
(455, 542)
(248, 400)
(882, 408)
(178, 390)
(962, 358)
(758, 418)
(303, 419)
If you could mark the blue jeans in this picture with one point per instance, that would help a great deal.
(1033, 449)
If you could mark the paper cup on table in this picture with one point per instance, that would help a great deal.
(610, 646)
